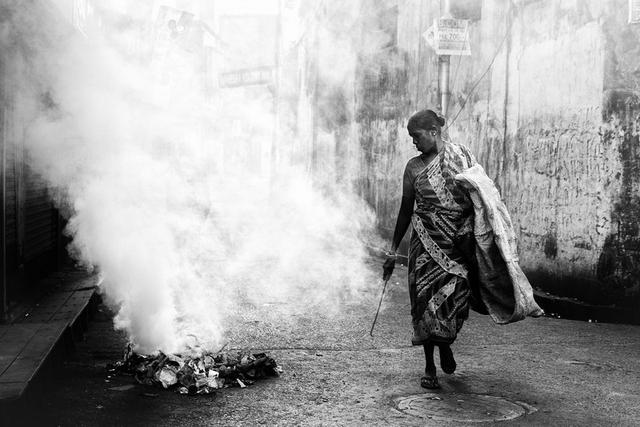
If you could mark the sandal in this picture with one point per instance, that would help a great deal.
(447, 362)
(429, 382)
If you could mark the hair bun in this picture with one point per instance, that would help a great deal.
(425, 119)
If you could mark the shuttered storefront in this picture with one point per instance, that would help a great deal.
(9, 189)
(29, 225)
(40, 224)
(31, 222)
(11, 218)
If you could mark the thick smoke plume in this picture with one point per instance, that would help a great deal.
(166, 195)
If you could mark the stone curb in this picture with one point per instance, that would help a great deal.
(55, 344)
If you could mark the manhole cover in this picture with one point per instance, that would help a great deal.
(462, 407)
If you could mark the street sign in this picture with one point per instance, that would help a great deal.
(246, 77)
(449, 36)
(430, 36)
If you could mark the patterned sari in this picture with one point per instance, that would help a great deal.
(442, 222)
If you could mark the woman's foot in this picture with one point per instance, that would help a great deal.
(430, 383)
(447, 362)
(430, 379)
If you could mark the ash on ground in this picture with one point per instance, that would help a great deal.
(193, 375)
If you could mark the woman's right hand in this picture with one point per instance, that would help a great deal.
(388, 266)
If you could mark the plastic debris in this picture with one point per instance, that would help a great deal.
(167, 376)
(194, 375)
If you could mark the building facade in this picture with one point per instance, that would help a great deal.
(31, 229)
(547, 101)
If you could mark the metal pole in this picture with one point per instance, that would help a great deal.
(443, 83)
(443, 67)
(420, 42)
(445, 5)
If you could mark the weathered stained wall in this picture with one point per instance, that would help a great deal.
(538, 125)
(554, 125)
(619, 262)
(324, 136)
(31, 235)
(554, 122)
(549, 102)
(392, 83)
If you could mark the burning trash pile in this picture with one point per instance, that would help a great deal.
(196, 375)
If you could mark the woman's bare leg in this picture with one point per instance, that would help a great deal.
(430, 366)
(447, 362)
(430, 380)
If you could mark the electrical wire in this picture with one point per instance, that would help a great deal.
(507, 32)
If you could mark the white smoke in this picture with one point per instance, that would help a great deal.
(167, 198)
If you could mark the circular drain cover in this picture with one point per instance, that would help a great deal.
(461, 407)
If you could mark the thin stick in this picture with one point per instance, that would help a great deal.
(222, 348)
(379, 304)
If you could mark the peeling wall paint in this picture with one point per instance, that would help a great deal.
(564, 97)
(619, 263)
(558, 160)
(549, 101)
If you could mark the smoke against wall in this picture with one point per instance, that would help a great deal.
(168, 184)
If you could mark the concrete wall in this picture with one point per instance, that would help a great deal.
(554, 124)
(553, 137)
(549, 102)
(536, 126)
(392, 83)
(619, 261)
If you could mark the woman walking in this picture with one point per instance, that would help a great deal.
(444, 277)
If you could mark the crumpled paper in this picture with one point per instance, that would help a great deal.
(192, 375)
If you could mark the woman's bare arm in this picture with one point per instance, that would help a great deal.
(403, 221)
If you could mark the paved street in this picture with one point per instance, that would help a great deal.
(227, 161)
(537, 372)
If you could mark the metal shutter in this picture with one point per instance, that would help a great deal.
(11, 206)
(40, 222)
